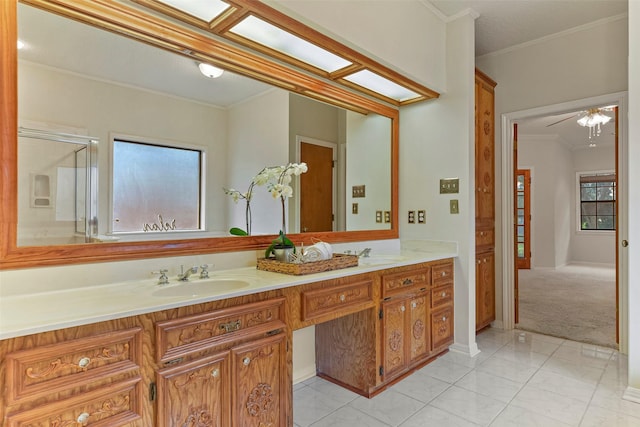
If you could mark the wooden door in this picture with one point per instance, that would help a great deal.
(258, 383)
(195, 392)
(485, 155)
(316, 188)
(485, 289)
(515, 213)
(523, 219)
(394, 352)
(418, 327)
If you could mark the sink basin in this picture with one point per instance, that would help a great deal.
(381, 259)
(206, 287)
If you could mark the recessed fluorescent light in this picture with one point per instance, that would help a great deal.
(206, 10)
(262, 32)
(381, 85)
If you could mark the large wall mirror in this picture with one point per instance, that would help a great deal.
(123, 148)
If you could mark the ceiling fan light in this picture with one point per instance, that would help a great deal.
(210, 71)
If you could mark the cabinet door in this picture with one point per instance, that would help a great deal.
(418, 331)
(195, 393)
(394, 353)
(442, 327)
(258, 386)
(485, 289)
(485, 157)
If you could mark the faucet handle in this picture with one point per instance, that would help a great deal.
(163, 279)
(204, 272)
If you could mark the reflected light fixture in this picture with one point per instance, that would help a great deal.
(20, 44)
(593, 119)
(209, 70)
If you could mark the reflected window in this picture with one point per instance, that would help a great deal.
(597, 201)
(156, 188)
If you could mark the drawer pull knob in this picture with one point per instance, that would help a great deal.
(407, 282)
(246, 361)
(444, 273)
(444, 294)
(84, 362)
(414, 304)
(215, 373)
(83, 418)
(343, 298)
(402, 308)
(479, 262)
(231, 326)
(444, 318)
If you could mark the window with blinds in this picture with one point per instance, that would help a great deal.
(598, 201)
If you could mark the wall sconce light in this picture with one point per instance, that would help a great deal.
(210, 71)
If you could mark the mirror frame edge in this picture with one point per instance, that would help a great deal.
(15, 257)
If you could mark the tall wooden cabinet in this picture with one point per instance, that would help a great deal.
(485, 200)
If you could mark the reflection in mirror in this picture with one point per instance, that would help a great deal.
(108, 86)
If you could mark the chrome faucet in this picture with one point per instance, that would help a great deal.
(365, 253)
(183, 276)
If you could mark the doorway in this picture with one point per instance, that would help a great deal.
(318, 185)
(509, 168)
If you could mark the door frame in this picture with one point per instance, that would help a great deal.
(507, 199)
(296, 191)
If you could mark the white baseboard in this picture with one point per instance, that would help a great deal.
(467, 350)
(497, 324)
(304, 374)
(632, 394)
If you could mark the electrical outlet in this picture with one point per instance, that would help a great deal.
(387, 216)
(378, 216)
(449, 185)
(453, 206)
(411, 217)
(422, 217)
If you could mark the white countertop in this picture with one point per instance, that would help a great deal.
(45, 311)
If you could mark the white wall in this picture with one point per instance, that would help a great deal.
(633, 392)
(258, 138)
(437, 141)
(552, 182)
(586, 63)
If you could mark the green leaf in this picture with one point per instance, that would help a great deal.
(238, 232)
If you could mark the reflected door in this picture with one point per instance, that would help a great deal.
(523, 218)
(316, 188)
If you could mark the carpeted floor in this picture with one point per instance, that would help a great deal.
(576, 302)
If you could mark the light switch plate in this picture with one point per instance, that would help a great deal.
(449, 185)
(453, 206)
(358, 191)
(354, 208)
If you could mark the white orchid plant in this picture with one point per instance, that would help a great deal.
(278, 182)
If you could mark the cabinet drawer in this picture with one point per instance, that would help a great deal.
(69, 364)
(114, 405)
(441, 327)
(399, 283)
(177, 338)
(485, 238)
(442, 295)
(319, 302)
(442, 273)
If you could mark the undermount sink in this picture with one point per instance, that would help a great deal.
(381, 259)
(205, 287)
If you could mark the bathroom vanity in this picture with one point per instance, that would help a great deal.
(129, 354)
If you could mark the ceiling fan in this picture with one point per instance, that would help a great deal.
(593, 118)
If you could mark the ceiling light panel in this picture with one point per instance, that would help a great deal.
(275, 38)
(206, 10)
(381, 85)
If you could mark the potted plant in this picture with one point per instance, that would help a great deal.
(282, 247)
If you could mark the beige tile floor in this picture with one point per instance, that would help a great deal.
(541, 381)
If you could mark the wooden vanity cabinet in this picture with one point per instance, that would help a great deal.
(225, 367)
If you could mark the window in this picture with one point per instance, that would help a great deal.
(156, 188)
(597, 201)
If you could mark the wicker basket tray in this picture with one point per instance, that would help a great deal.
(337, 262)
